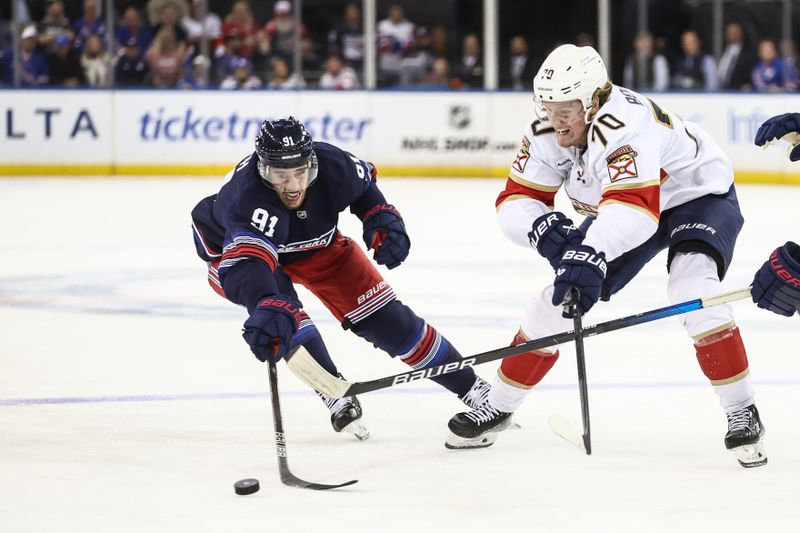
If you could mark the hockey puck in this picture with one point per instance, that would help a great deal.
(243, 487)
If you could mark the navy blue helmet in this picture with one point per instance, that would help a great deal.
(285, 144)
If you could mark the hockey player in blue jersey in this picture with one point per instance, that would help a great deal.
(274, 224)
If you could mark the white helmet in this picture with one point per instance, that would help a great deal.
(570, 73)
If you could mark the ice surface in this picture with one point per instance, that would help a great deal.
(129, 402)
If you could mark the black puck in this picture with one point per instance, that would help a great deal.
(243, 487)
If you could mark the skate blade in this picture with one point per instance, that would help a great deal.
(454, 442)
(357, 429)
(751, 455)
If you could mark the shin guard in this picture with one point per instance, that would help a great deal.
(527, 369)
(722, 356)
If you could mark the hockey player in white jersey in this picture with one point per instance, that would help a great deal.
(646, 181)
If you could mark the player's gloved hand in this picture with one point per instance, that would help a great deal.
(271, 325)
(778, 126)
(385, 232)
(551, 234)
(583, 268)
(777, 283)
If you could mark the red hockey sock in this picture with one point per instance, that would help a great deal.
(526, 369)
(722, 356)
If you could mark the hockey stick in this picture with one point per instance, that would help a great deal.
(287, 478)
(560, 426)
(308, 370)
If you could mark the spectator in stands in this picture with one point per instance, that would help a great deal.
(282, 76)
(240, 21)
(133, 27)
(131, 69)
(347, 41)
(769, 74)
(439, 76)
(165, 59)
(737, 61)
(197, 74)
(96, 63)
(311, 63)
(34, 67)
(201, 23)
(470, 69)
(91, 23)
(789, 53)
(694, 70)
(64, 64)
(395, 37)
(518, 73)
(242, 77)
(281, 29)
(53, 24)
(644, 69)
(418, 61)
(234, 48)
(168, 14)
(338, 76)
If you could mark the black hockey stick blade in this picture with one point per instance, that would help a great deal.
(287, 478)
(309, 371)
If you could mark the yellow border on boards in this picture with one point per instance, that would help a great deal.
(125, 171)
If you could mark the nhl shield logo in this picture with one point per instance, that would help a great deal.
(459, 117)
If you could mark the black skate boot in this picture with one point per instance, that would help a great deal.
(346, 415)
(477, 394)
(745, 437)
(477, 428)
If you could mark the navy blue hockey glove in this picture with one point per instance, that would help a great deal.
(585, 269)
(271, 326)
(385, 232)
(778, 126)
(777, 283)
(551, 234)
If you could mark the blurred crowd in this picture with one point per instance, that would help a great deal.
(182, 44)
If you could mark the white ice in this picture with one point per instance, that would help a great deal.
(146, 405)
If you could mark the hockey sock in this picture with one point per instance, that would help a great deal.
(518, 374)
(723, 359)
(308, 336)
(430, 348)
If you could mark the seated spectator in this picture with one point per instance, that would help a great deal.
(520, 70)
(281, 29)
(168, 14)
(694, 70)
(644, 69)
(232, 49)
(282, 76)
(197, 75)
(201, 23)
(470, 69)
(418, 61)
(53, 24)
(439, 76)
(769, 73)
(131, 69)
(34, 67)
(133, 27)
(395, 38)
(737, 61)
(337, 76)
(311, 63)
(95, 62)
(64, 64)
(165, 59)
(240, 21)
(347, 40)
(91, 23)
(789, 53)
(242, 77)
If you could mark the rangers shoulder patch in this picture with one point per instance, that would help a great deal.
(622, 163)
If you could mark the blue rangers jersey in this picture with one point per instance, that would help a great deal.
(249, 233)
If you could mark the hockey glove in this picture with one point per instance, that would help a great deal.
(271, 326)
(778, 126)
(385, 232)
(583, 268)
(777, 283)
(551, 234)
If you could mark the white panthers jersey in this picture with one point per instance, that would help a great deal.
(640, 160)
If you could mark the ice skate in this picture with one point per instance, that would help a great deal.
(745, 437)
(346, 415)
(477, 428)
(477, 394)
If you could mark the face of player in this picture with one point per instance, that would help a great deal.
(290, 184)
(568, 119)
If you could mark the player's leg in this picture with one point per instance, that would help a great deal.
(350, 286)
(699, 256)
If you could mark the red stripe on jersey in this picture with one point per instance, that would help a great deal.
(513, 188)
(257, 252)
(647, 198)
